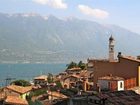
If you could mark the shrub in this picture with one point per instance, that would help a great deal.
(38, 92)
(21, 83)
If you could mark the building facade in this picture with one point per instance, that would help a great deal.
(112, 83)
(125, 66)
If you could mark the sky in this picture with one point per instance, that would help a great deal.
(125, 13)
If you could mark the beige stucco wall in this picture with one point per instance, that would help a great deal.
(23, 96)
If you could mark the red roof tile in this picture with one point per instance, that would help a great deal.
(14, 100)
(19, 89)
(130, 58)
(115, 78)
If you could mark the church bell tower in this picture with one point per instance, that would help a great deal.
(111, 48)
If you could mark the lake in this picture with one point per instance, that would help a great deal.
(9, 72)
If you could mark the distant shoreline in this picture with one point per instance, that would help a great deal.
(28, 71)
(35, 63)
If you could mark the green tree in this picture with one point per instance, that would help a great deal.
(72, 65)
(58, 84)
(50, 78)
(21, 83)
(82, 65)
(36, 102)
(38, 92)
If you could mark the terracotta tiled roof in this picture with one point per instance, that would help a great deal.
(114, 78)
(130, 58)
(74, 76)
(19, 89)
(63, 73)
(102, 60)
(122, 98)
(75, 68)
(42, 77)
(14, 100)
(98, 60)
(83, 73)
(57, 94)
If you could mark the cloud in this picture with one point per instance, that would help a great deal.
(43, 2)
(59, 4)
(98, 13)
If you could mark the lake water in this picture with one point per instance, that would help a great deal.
(9, 72)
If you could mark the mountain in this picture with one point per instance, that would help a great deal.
(33, 38)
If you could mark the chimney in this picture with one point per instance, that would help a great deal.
(138, 57)
(119, 54)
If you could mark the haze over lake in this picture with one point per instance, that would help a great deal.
(27, 71)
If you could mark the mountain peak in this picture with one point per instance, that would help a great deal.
(20, 14)
(70, 39)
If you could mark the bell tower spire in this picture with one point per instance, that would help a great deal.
(111, 48)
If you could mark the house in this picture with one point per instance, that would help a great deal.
(70, 81)
(19, 91)
(86, 79)
(56, 95)
(41, 80)
(77, 81)
(112, 83)
(61, 75)
(2, 96)
(74, 71)
(75, 78)
(125, 66)
(15, 100)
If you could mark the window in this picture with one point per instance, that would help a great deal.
(121, 85)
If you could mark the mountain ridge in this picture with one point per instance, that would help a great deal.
(25, 38)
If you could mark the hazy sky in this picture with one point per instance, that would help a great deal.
(125, 13)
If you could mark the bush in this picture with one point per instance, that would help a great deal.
(72, 65)
(35, 103)
(80, 65)
(38, 92)
(69, 92)
(74, 90)
(58, 84)
(50, 78)
(21, 83)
